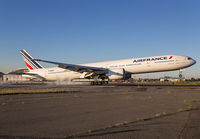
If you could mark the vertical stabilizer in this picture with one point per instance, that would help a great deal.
(29, 61)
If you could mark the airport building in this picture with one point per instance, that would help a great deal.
(1, 76)
(14, 78)
(172, 79)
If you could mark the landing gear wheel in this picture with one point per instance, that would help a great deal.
(181, 73)
(99, 83)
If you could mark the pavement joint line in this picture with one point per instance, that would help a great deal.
(184, 127)
(156, 116)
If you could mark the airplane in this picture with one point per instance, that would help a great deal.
(101, 72)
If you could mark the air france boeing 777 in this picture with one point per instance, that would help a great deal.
(118, 69)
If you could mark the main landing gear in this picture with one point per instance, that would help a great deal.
(99, 82)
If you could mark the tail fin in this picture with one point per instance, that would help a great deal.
(29, 61)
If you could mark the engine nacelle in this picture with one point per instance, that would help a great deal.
(115, 74)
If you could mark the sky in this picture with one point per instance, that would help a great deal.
(84, 31)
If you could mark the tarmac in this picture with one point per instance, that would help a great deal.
(102, 112)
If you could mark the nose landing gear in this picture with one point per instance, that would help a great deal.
(181, 73)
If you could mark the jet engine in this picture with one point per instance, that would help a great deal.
(115, 74)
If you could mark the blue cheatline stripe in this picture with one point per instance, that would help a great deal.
(36, 64)
(28, 60)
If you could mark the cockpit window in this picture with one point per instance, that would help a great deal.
(189, 58)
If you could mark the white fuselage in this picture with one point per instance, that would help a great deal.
(132, 66)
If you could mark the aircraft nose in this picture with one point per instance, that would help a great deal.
(193, 61)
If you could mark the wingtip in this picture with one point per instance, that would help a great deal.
(22, 50)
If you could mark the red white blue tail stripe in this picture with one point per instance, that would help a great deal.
(29, 61)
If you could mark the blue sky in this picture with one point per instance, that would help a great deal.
(83, 31)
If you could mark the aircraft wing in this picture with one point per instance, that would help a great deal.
(76, 68)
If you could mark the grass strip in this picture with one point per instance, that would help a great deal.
(35, 91)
